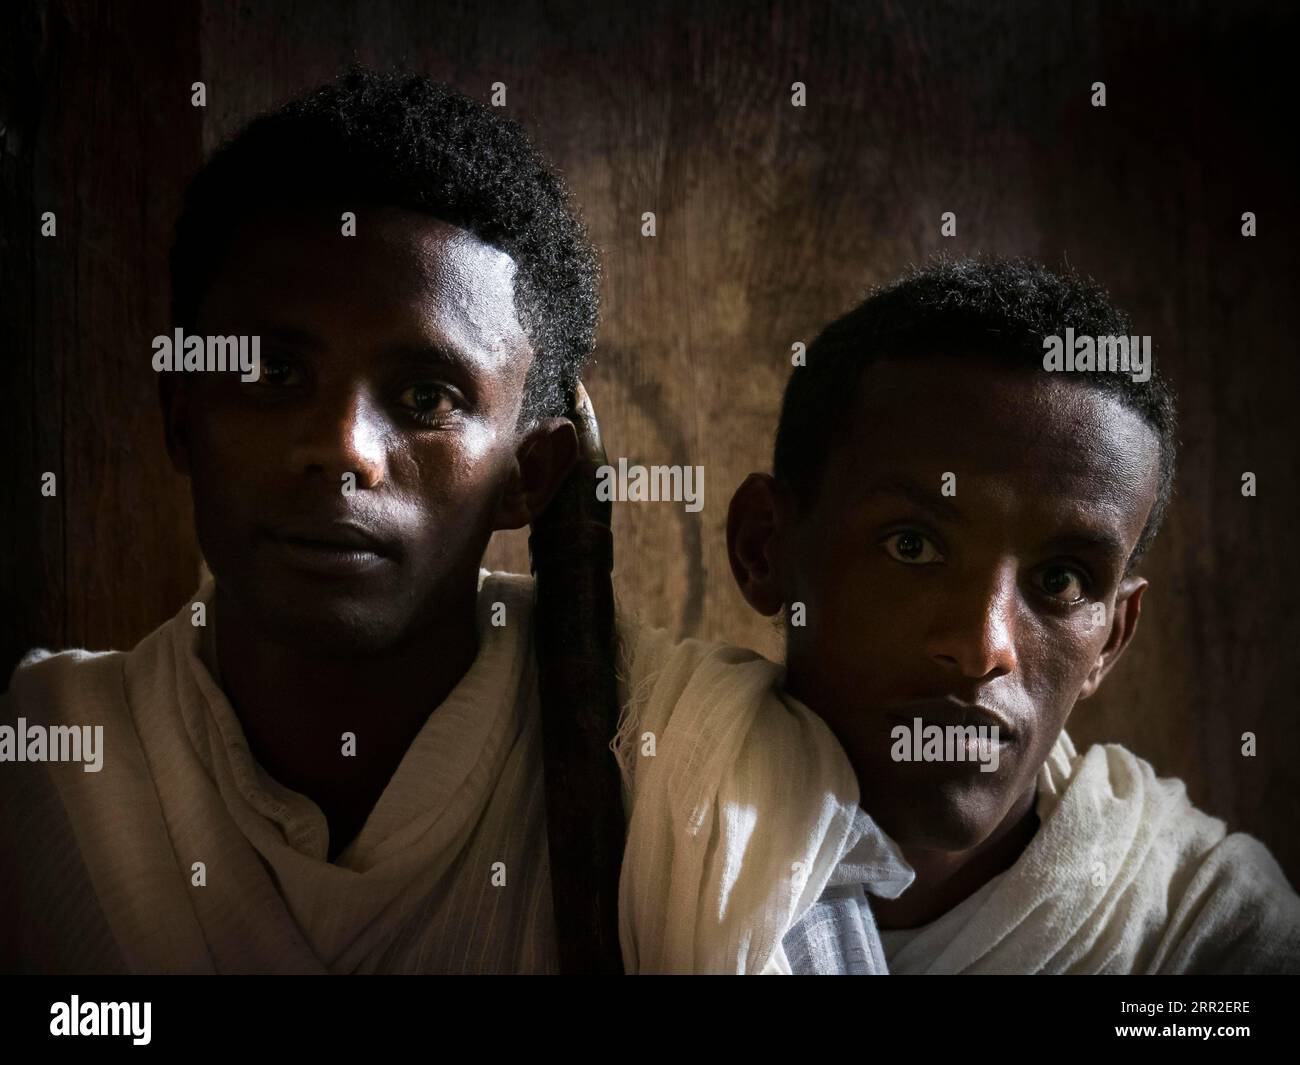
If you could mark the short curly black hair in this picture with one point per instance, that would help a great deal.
(988, 307)
(405, 141)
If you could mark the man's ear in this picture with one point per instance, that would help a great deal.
(1128, 608)
(754, 526)
(173, 398)
(544, 457)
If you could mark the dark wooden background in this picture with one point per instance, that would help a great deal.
(771, 220)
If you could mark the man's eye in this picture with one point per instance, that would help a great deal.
(278, 372)
(428, 400)
(911, 547)
(1064, 584)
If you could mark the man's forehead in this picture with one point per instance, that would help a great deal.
(401, 270)
(1004, 433)
(450, 258)
(413, 251)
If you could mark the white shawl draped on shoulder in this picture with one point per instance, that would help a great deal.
(739, 817)
(735, 822)
(109, 858)
(1123, 876)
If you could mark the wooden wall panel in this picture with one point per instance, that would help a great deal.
(99, 129)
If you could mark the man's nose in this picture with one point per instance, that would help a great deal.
(975, 627)
(343, 434)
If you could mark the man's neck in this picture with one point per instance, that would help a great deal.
(296, 703)
(946, 878)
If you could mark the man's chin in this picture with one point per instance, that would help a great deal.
(951, 836)
(338, 632)
(936, 817)
(332, 621)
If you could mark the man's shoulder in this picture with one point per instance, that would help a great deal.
(56, 679)
(644, 650)
(91, 692)
(60, 712)
(649, 653)
(1110, 776)
(47, 677)
(1230, 906)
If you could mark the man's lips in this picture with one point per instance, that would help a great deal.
(949, 710)
(335, 535)
(335, 548)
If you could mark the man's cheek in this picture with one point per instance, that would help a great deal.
(877, 630)
(470, 452)
(222, 464)
(1078, 654)
(864, 663)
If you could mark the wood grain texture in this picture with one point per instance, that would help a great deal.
(771, 220)
(100, 131)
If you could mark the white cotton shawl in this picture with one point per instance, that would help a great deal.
(740, 815)
(110, 856)
(735, 822)
(1123, 876)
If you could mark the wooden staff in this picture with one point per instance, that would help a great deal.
(572, 554)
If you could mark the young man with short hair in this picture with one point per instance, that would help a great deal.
(330, 761)
(960, 526)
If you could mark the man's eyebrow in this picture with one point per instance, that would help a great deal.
(297, 338)
(1089, 540)
(902, 488)
(433, 355)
